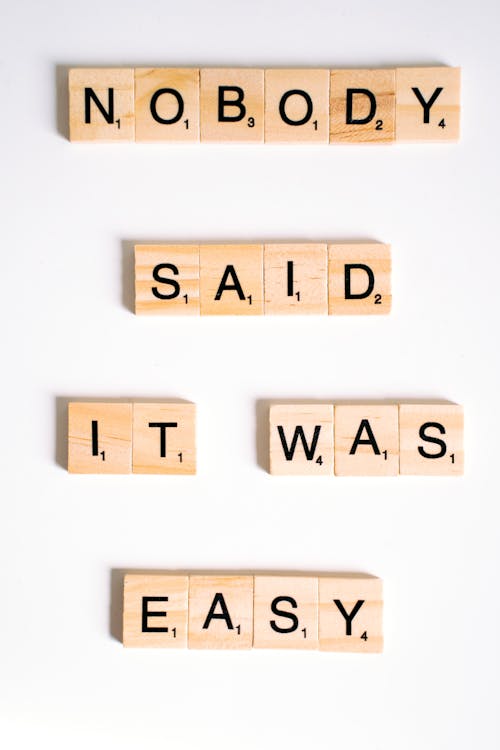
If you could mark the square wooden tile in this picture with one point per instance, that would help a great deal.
(301, 439)
(366, 440)
(431, 439)
(101, 104)
(297, 106)
(359, 279)
(428, 104)
(167, 280)
(285, 612)
(350, 613)
(220, 612)
(232, 105)
(167, 104)
(164, 438)
(155, 610)
(99, 438)
(362, 106)
(232, 279)
(295, 279)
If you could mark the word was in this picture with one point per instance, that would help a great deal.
(255, 106)
(263, 279)
(366, 440)
(331, 612)
(124, 438)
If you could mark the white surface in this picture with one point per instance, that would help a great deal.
(69, 215)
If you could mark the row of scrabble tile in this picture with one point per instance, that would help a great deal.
(334, 612)
(272, 105)
(272, 279)
(120, 438)
(313, 439)
(366, 439)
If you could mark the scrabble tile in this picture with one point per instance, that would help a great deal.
(220, 612)
(285, 612)
(99, 438)
(232, 105)
(164, 438)
(167, 280)
(301, 439)
(431, 439)
(350, 613)
(366, 440)
(155, 610)
(428, 104)
(297, 106)
(231, 279)
(295, 279)
(101, 104)
(359, 279)
(362, 106)
(167, 104)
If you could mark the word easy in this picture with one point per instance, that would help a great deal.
(255, 105)
(366, 439)
(330, 612)
(271, 279)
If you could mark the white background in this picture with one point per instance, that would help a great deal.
(70, 214)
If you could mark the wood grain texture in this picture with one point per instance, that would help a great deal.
(374, 255)
(177, 292)
(99, 438)
(293, 595)
(167, 449)
(224, 267)
(350, 613)
(113, 86)
(410, 112)
(300, 288)
(381, 113)
(366, 440)
(301, 439)
(431, 439)
(302, 95)
(249, 85)
(173, 94)
(220, 612)
(171, 616)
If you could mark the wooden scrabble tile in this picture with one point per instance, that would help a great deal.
(167, 104)
(295, 279)
(297, 106)
(99, 438)
(359, 279)
(301, 439)
(232, 104)
(428, 104)
(167, 280)
(366, 440)
(431, 439)
(220, 612)
(101, 104)
(231, 279)
(155, 610)
(164, 438)
(362, 106)
(350, 613)
(285, 612)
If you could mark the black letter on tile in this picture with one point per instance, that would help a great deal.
(163, 435)
(349, 617)
(299, 432)
(283, 101)
(284, 613)
(347, 280)
(238, 102)
(426, 105)
(163, 280)
(370, 440)
(430, 439)
(235, 286)
(223, 615)
(108, 115)
(349, 100)
(146, 614)
(180, 106)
